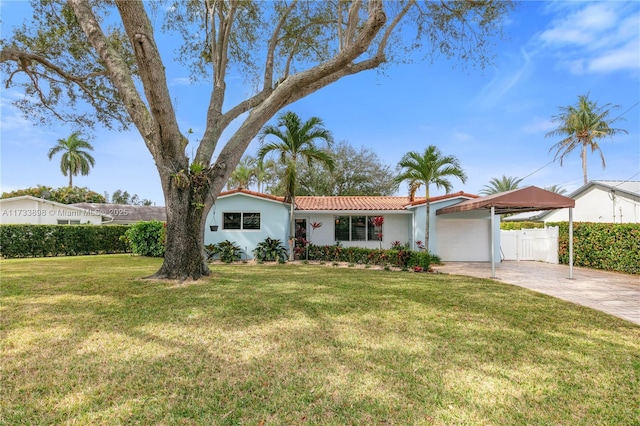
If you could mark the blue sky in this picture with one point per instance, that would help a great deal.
(494, 120)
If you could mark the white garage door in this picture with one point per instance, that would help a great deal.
(464, 240)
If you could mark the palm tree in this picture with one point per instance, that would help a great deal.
(74, 159)
(581, 125)
(264, 173)
(502, 184)
(426, 169)
(296, 141)
(557, 189)
(243, 175)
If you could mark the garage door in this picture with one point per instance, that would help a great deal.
(464, 240)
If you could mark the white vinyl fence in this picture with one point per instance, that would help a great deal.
(530, 244)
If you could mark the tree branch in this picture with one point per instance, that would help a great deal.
(352, 24)
(119, 72)
(273, 42)
(25, 59)
(25, 63)
(169, 140)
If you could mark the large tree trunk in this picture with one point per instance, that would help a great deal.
(186, 197)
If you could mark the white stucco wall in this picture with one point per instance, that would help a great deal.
(420, 219)
(274, 221)
(475, 221)
(35, 211)
(595, 204)
(396, 227)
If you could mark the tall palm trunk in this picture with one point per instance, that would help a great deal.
(292, 227)
(426, 226)
(584, 163)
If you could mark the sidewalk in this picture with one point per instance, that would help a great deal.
(610, 292)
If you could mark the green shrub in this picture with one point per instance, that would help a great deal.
(270, 250)
(226, 251)
(607, 246)
(400, 257)
(54, 240)
(147, 238)
(515, 226)
(423, 259)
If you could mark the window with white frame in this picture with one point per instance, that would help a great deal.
(356, 228)
(241, 221)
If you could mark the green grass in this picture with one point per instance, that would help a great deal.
(86, 341)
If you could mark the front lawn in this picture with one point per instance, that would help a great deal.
(86, 341)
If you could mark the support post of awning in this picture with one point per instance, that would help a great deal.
(493, 243)
(570, 243)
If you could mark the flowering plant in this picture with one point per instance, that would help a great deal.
(377, 221)
(316, 225)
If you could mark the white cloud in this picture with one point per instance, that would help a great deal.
(581, 27)
(15, 129)
(593, 37)
(504, 82)
(626, 57)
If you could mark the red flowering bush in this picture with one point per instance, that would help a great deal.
(377, 221)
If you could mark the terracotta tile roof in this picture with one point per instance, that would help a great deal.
(354, 203)
(351, 203)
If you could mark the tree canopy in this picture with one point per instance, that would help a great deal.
(75, 158)
(64, 195)
(582, 125)
(244, 174)
(87, 62)
(295, 142)
(503, 184)
(355, 172)
(429, 168)
(123, 197)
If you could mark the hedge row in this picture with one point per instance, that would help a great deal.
(607, 246)
(363, 256)
(54, 240)
(516, 226)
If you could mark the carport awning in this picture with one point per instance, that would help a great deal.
(526, 199)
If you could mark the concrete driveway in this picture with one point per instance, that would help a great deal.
(610, 292)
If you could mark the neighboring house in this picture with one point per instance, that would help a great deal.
(27, 209)
(126, 214)
(247, 218)
(597, 201)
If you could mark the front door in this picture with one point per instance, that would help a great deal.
(301, 229)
